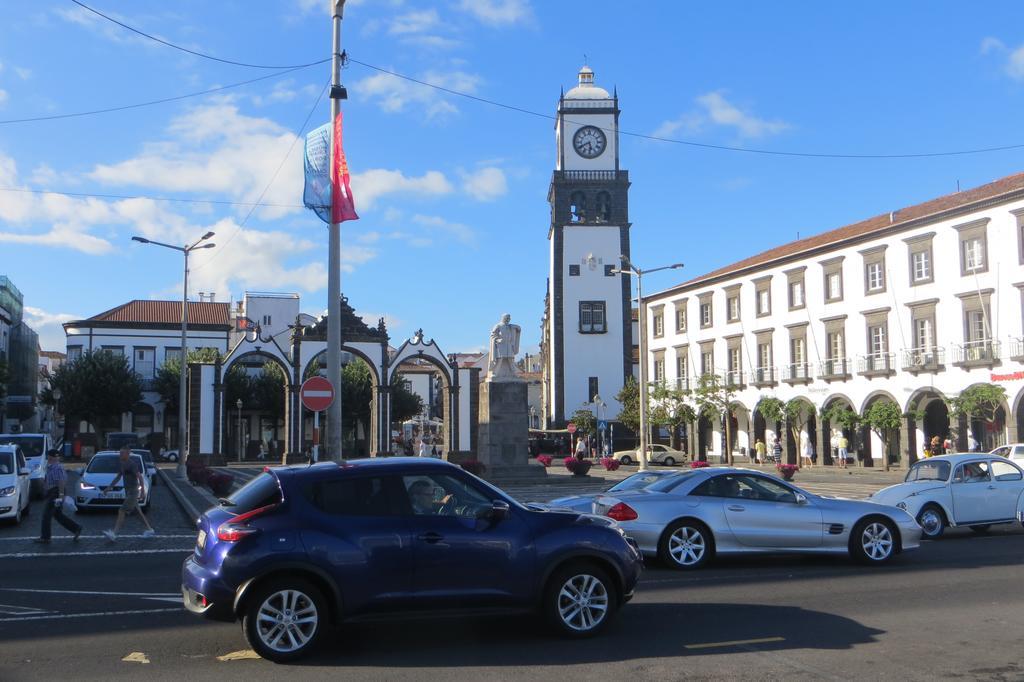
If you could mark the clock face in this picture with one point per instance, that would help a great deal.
(589, 142)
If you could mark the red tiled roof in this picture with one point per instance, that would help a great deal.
(878, 223)
(166, 312)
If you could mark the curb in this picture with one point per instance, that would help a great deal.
(186, 507)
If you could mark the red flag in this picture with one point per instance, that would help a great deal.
(343, 206)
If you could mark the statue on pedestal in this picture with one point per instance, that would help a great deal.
(503, 349)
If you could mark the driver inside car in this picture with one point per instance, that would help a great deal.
(421, 496)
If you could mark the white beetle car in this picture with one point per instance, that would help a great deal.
(975, 490)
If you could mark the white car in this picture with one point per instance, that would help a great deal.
(34, 446)
(14, 484)
(656, 454)
(1013, 451)
(101, 471)
(975, 490)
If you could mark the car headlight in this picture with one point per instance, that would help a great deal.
(7, 492)
(86, 486)
(902, 505)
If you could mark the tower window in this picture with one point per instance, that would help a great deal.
(578, 207)
(604, 207)
(592, 317)
(574, 270)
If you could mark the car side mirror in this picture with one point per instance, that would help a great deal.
(499, 511)
(801, 498)
(23, 471)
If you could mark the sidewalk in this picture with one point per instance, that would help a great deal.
(192, 499)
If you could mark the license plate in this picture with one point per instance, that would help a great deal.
(116, 495)
(201, 541)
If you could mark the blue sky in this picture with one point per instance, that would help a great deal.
(452, 192)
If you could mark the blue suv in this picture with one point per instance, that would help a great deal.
(301, 548)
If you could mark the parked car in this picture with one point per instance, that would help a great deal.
(656, 454)
(584, 503)
(14, 484)
(101, 472)
(170, 455)
(1013, 451)
(147, 460)
(973, 490)
(687, 519)
(300, 547)
(35, 447)
(118, 439)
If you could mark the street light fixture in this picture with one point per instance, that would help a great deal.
(186, 250)
(629, 268)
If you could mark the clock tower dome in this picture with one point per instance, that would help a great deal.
(587, 341)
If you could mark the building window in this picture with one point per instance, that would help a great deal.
(877, 342)
(681, 318)
(977, 326)
(921, 266)
(924, 334)
(574, 270)
(834, 286)
(682, 368)
(659, 323)
(875, 277)
(764, 301)
(764, 356)
(604, 207)
(707, 361)
(659, 369)
(796, 294)
(577, 207)
(733, 307)
(592, 388)
(172, 354)
(609, 270)
(74, 352)
(836, 347)
(735, 366)
(705, 314)
(114, 350)
(973, 255)
(797, 351)
(592, 317)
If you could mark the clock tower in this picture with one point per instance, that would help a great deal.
(587, 328)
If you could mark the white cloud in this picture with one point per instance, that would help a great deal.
(498, 12)
(48, 326)
(394, 94)
(23, 73)
(990, 44)
(486, 184)
(715, 109)
(461, 233)
(414, 22)
(370, 185)
(43, 174)
(283, 91)
(1014, 65)
(3, 97)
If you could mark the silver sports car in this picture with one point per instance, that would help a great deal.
(688, 518)
(584, 503)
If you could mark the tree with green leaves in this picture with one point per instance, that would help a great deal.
(629, 399)
(979, 401)
(798, 412)
(672, 408)
(405, 404)
(714, 400)
(585, 423)
(883, 416)
(841, 415)
(167, 379)
(95, 385)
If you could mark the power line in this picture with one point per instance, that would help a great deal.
(150, 103)
(194, 52)
(219, 202)
(690, 143)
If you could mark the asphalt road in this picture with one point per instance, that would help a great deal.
(953, 609)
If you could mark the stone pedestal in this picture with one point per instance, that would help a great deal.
(503, 443)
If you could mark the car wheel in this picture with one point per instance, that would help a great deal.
(669, 462)
(625, 459)
(873, 541)
(932, 521)
(982, 529)
(579, 600)
(686, 545)
(284, 619)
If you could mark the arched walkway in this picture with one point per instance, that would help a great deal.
(421, 351)
(829, 432)
(261, 429)
(879, 449)
(933, 423)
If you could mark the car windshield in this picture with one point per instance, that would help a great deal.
(32, 446)
(6, 463)
(667, 483)
(104, 464)
(640, 480)
(928, 470)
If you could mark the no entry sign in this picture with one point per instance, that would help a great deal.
(570, 427)
(316, 394)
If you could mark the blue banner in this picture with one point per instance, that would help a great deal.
(317, 191)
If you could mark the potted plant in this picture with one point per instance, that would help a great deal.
(699, 464)
(545, 460)
(610, 463)
(787, 470)
(578, 467)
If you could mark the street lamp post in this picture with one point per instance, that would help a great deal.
(628, 267)
(238, 404)
(182, 430)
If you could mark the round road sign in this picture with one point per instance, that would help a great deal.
(317, 394)
(570, 427)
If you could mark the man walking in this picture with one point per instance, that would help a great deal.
(54, 499)
(131, 474)
(760, 450)
(844, 444)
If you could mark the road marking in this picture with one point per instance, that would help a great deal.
(243, 655)
(97, 537)
(112, 552)
(61, 616)
(11, 610)
(136, 657)
(154, 595)
(174, 600)
(738, 642)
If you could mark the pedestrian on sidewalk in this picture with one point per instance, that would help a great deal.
(805, 452)
(131, 475)
(777, 450)
(54, 499)
(760, 450)
(834, 445)
(844, 444)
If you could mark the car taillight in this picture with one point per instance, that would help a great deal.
(238, 527)
(622, 512)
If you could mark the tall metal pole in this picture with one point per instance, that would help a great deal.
(334, 258)
(182, 430)
(643, 369)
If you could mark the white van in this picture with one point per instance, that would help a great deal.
(34, 446)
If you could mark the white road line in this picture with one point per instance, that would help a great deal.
(175, 536)
(737, 642)
(12, 610)
(60, 616)
(112, 552)
(105, 594)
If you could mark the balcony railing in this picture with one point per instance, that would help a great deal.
(764, 376)
(1017, 349)
(924, 359)
(834, 368)
(796, 372)
(733, 378)
(590, 175)
(683, 383)
(877, 363)
(983, 352)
